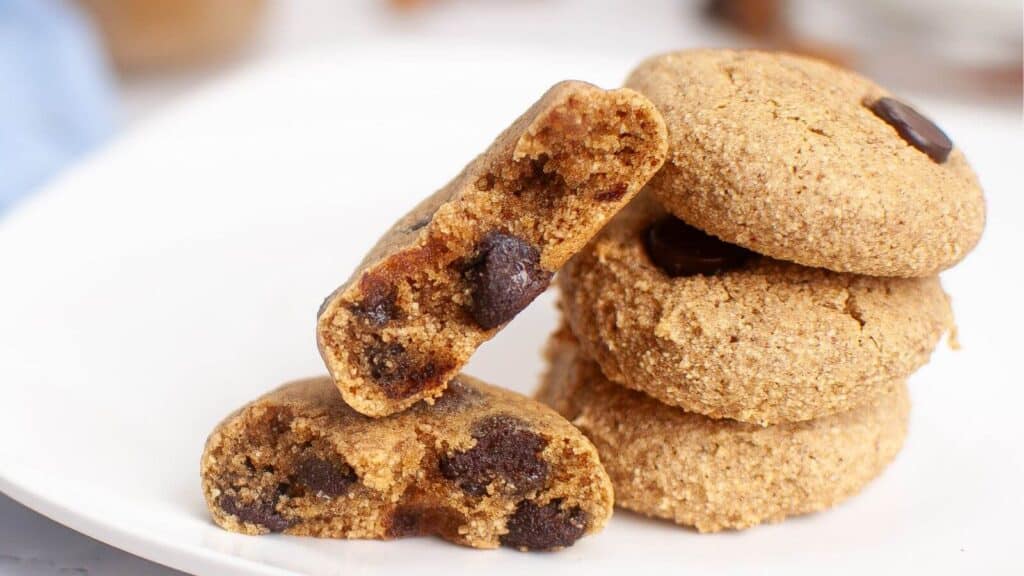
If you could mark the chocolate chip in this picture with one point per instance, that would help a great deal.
(534, 527)
(324, 477)
(412, 520)
(397, 373)
(378, 305)
(682, 250)
(915, 128)
(505, 449)
(612, 194)
(261, 512)
(504, 277)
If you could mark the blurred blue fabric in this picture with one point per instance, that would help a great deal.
(56, 93)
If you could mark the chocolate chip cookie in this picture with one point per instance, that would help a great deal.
(802, 161)
(721, 474)
(724, 332)
(465, 261)
(481, 467)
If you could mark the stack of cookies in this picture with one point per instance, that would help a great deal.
(750, 246)
(736, 342)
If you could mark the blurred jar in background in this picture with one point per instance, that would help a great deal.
(965, 49)
(162, 35)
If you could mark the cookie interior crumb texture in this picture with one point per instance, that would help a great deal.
(720, 474)
(764, 341)
(802, 161)
(465, 261)
(481, 467)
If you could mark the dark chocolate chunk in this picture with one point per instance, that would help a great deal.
(261, 512)
(534, 527)
(413, 520)
(378, 306)
(397, 373)
(504, 277)
(324, 477)
(612, 194)
(915, 128)
(682, 250)
(505, 449)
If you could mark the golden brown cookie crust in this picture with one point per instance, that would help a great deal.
(721, 474)
(480, 467)
(767, 342)
(781, 154)
(453, 271)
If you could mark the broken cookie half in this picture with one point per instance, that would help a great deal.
(481, 467)
(462, 264)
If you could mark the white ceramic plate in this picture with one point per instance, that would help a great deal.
(176, 275)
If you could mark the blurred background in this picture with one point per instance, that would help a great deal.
(76, 73)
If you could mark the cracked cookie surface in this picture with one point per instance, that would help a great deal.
(750, 338)
(481, 467)
(720, 474)
(463, 263)
(805, 162)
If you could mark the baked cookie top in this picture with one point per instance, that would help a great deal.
(718, 330)
(806, 162)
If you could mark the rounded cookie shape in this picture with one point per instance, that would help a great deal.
(760, 340)
(721, 474)
(481, 467)
(806, 162)
(463, 263)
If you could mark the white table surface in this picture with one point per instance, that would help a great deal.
(31, 544)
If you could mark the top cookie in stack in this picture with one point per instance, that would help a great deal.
(802, 161)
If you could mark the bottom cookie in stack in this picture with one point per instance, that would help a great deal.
(720, 474)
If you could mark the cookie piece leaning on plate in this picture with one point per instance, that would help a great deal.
(481, 467)
(720, 474)
(802, 161)
(717, 330)
(452, 272)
